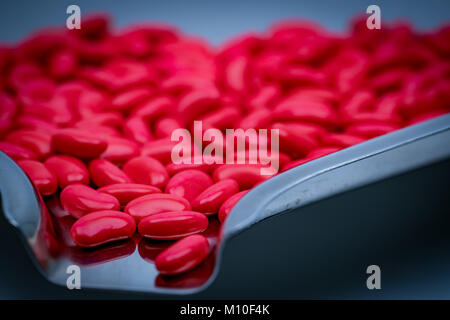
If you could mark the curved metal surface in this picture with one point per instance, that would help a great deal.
(360, 165)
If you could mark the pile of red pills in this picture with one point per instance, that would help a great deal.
(88, 115)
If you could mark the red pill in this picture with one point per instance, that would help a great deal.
(236, 73)
(154, 108)
(68, 170)
(295, 163)
(210, 200)
(320, 152)
(246, 175)
(314, 112)
(79, 200)
(221, 119)
(144, 206)
(341, 140)
(44, 180)
(194, 162)
(228, 205)
(314, 154)
(34, 123)
(63, 63)
(188, 184)
(428, 116)
(165, 126)
(256, 119)
(371, 130)
(304, 128)
(147, 170)
(8, 110)
(264, 98)
(17, 152)
(78, 143)
(112, 119)
(172, 225)
(100, 130)
(137, 129)
(198, 102)
(101, 227)
(36, 141)
(299, 75)
(120, 150)
(104, 172)
(125, 192)
(160, 149)
(130, 98)
(294, 142)
(183, 255)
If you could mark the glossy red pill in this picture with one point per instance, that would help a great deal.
(125, 192)
(147, 170)
(34, 123)
(210, 200)
(78, 143)
(68, 170)
(130, 98)
(198, 102)
(160, 149)
(183, 255)
(120, 150)
(79, 200)
(17, 152)
(44, 180)
(371, 130)
(228, 205)
(147, 205)
(165, 126)
(101, 227)
(137, 129)
(341, 140)
(36, 141)
(104, 172)
(188, 184)
(295, 142)
(194, 162)
(172, 225)
(246, 175)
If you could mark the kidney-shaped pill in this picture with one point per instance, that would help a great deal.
(44, 180)
(36, 141)
(68, 170)
(104, 172)
(79, 200)
(78, 143)
(226, 207)
(147, 170)
(188, 184)
(101, 227)
(183, 255)
(16, 152)
(120, 150)
(125, 192)
(210, 200)
(246, 175)
(155, 203)
(172, 225)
